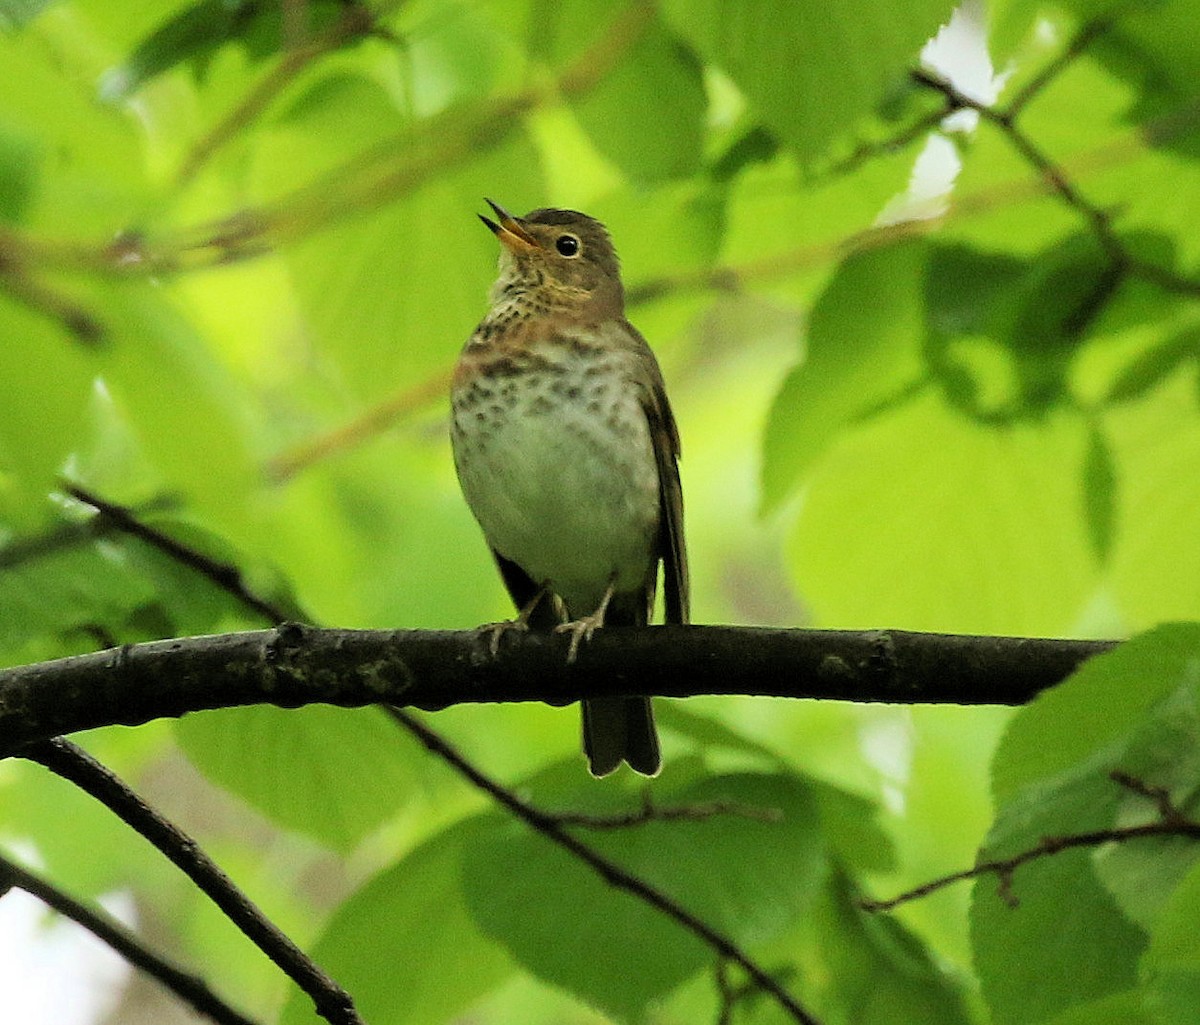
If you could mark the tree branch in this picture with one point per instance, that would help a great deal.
(295, 665)
(191, 989)
(64, 759)
(1171, 822)
(552, 829)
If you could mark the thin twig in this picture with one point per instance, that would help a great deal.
(369, 424)
(22, 550)
(1171, 822)
(552, 829)
(191, 989)
(72, 763)
(727, 995)
(80, 324)
(649, 812)
(1058, 183)
(868, 151)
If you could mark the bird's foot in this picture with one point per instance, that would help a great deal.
(494, 632)
(581, 629)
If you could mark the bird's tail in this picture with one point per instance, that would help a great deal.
(620, 729)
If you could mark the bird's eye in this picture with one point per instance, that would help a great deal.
(567, 245)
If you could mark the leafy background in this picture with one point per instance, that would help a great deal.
(238, 255)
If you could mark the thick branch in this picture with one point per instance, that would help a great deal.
(296, 665)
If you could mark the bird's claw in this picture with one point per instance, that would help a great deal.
(495, 631)
(580, 630)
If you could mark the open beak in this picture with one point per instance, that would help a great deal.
(510, 230)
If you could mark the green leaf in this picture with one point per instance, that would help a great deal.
(405, 945)
(1065, 944)
(1171, 965)
(42, 810)
(1153, 44)
(783, 229)
(612, 950)
(333, 774)
(1137, 710)
(859, 355)
(1104, 701)
(823, 92)
(403, 288)
(1152, 368)
(878, 972)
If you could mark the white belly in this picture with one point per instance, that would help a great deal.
(558, 491)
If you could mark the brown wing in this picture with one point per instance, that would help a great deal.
(664, 435)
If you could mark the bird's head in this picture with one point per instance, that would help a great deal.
(561, 258)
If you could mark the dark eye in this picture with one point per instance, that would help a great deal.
(567, 245)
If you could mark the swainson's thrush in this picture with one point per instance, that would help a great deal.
(566, 450)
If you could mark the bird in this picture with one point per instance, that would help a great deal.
(567, 453)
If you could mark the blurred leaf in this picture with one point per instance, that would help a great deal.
(18, 173)
(1099, 488)
(180, 401)
(968, 294)
(45, 381)
(1155, 442)
(647, 116)
(747, 878)
(331, 773)
(785, 232)
(1150, 369)
(91, 178)
(851, 828)
(1125, 1008)
(389, 299)
(816, 100)
(85, 848)
(16, 14)
(196, 32)
(973, 529)
(1153, 45)
(86, 586)
(859, 354)
(405, 945)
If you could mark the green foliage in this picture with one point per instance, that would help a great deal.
(238, 255)
(1135, 711)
